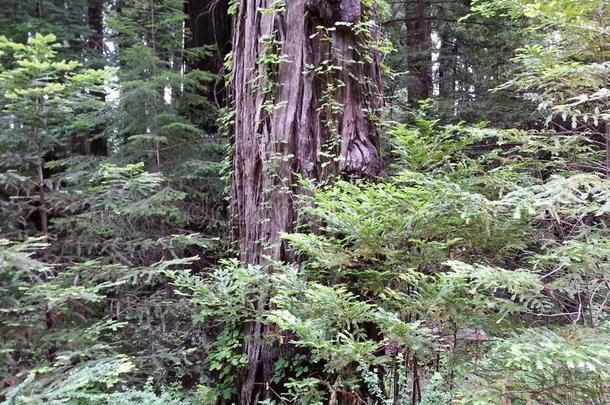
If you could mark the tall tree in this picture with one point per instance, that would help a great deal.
(38, 95)
(306, 88)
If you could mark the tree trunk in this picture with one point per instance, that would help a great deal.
(98, 145)
(209, 24)
(307, 102)
(82, 144)
(42, 197)
(419, 61)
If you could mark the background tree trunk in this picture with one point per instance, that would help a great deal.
(92, 144)
(307, 101)
(98, 145)
(419, 62)
(209, 24)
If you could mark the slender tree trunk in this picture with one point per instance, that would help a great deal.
(42, 197)
(601, 19)
(307, 101)
(607, 136)
(446, 62)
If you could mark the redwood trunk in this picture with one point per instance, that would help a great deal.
(98, 145)
(292, 118)
(419, 32)
(209, 25)
(93, 144)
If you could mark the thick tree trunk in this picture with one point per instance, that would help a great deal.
(82, 144)
(284, 132)
(419, 62)
(209, 24)
(307, 101)
(95, 41)
(98, 145)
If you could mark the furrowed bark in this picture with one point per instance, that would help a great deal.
(293, 119)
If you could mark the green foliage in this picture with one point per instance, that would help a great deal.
(438, 263)
(85, 385)
(431, 285)
(43, 98)
(225, 301)
(474, 272)
(175, 130)
(70, 25)
(56, 317)
(99, 284)
(446, 53)
(564, 69)
(45, 102)
(120, 202)
(543, 366)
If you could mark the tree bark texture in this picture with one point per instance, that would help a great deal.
(284, 132)
(307, 96)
